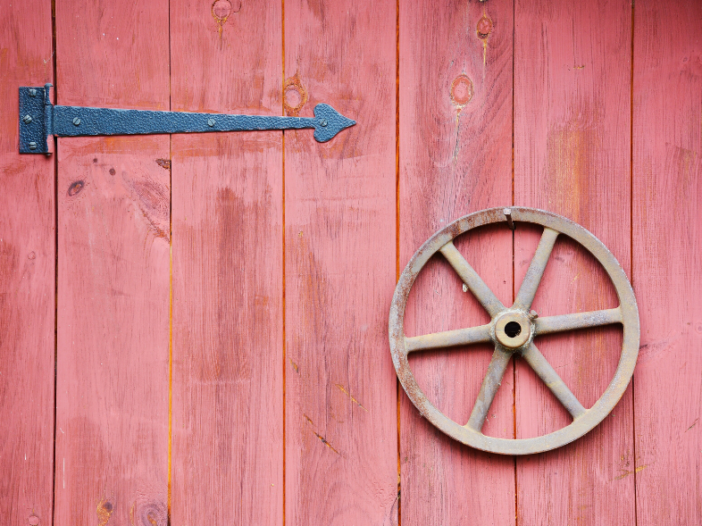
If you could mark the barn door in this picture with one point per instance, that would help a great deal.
(193, 328)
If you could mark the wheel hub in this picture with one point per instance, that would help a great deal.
(513, 329)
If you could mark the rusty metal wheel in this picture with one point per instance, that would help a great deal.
(512, 331)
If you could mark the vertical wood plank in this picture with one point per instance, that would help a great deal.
(572, 157)
(227, 459)
(341, 411)
(667, 190)
(455, 158)
(113, 278)
(27, 277)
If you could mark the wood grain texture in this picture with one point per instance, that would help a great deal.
(27, 277)
(667, 241)
(341, 410)
(455, 158)
(284, 254)
(227, 457)
(572, 92)
(113, 276)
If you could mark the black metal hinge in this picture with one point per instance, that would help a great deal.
(39, 119)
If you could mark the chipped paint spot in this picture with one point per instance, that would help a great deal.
(324, 441)
(294, 366)
(104, 511)
(341, 388)
(627, 473)
(320, 437)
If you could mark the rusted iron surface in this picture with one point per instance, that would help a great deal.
(474, 282)
(550, 377)
(493, 378)
(513, 329)
(579, 320)
(447, 339)
(536, 270)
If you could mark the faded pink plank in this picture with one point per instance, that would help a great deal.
(341, 410)
(667, 248)
(113, 279)
(572, 156)
(27, 277)
(227, 458)
(455, 158)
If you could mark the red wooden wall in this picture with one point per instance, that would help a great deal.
(193, 329)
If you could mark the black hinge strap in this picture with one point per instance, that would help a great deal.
(39, 119)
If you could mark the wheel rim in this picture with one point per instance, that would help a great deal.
(498, 331)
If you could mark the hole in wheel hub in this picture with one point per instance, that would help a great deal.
(513, 329)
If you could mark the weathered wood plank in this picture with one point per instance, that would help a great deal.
(455, 158)
(113, 276)
(572, 156)
(667, 244)
(27, 278)
(341, 411)
(227, 457)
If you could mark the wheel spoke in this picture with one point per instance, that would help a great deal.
(579, 320)
(488, 390)
(536, 270)
(470, 277)
(442, 340)
(550, 377)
